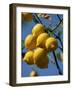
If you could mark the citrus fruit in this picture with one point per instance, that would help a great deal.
(42, 39)
(51, 44)
(38, 29)
(26, 16)
(33, 74)
(28, 58)
(40, 58)
(30, 42)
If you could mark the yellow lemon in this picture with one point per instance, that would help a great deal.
(28, 58)
(42, 39)
(51, 44)
(33, 74)
(40, 58)
(38, 29)
(30, 42)
(26, 16)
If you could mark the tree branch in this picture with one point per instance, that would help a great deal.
(58, 17)
(57, 26)
(59, 70)
(38, 18)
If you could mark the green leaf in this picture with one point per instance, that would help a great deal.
(60, 33)
(23, 45)
(59, 56)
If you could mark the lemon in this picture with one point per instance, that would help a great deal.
(30, 42)
(28, 58)
(38, 29)
(40, 58)
(26, 16)
(33, 74)
(51, 44)
(41, 39)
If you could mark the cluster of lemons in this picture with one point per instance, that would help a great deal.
(39, 43)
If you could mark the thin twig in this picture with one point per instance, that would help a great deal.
(35, 19)
(58, 17)
(60, 48)
(38, 18)
(57, 26)
(59, 70)
(60, 21)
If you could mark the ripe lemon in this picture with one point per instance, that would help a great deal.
(41, 39)
(28, 58)
(38, 29)
(33, 74)
(26, 16)
(51, 44)
(30, 42)
(40, 58)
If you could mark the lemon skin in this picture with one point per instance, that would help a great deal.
(51, 44)
(42, 39)
(28, 58)
(38, 29)
(40, 58)
(30, 42)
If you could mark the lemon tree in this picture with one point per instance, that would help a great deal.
(39, 43)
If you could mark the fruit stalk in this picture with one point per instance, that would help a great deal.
(59, 70)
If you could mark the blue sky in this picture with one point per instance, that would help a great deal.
(52, 69)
